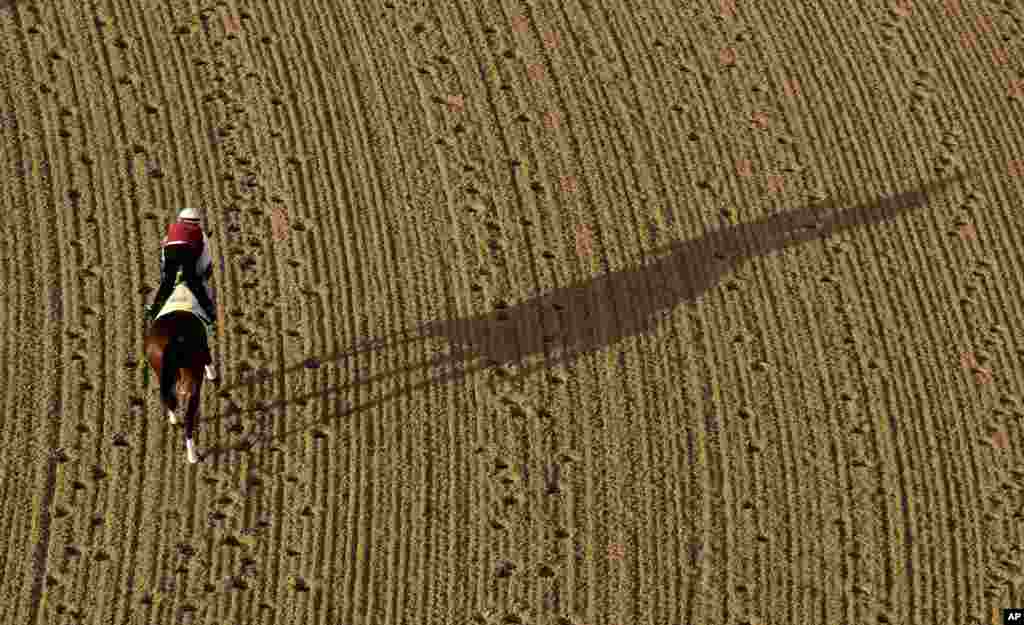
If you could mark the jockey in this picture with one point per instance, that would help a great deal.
(185, 247)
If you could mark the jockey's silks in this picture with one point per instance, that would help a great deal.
(185, 233)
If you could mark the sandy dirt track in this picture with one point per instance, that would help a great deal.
(538, 312)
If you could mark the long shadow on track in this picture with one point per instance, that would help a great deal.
(595, 313)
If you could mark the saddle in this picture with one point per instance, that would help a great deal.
(182, 299)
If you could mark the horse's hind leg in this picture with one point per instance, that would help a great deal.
(190, 424)
(171, 416)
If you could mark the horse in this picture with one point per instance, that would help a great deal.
(177, 350)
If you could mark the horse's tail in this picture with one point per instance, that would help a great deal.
(172, 361)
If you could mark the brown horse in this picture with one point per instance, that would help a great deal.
(176, 347)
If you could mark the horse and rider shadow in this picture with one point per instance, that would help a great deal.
(591, 314)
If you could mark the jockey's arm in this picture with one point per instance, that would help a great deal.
(204, 265)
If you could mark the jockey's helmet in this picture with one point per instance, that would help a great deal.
(188, 214)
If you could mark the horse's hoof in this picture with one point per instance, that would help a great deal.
(173, 418)
(190, 450)
(211, 373)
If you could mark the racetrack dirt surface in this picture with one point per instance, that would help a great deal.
(581, 312)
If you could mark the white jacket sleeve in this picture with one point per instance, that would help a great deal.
(205, 263)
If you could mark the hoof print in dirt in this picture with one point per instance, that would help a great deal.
(59, 455)
(553, 480)
(234, 541)
(506, 568)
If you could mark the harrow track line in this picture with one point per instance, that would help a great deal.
(141, 128)
(423, 533)
(357, 546)
(771, 292)
(594, 261)
(529, 207)
(576, 142)
(945, 471)
(452, 221)
(380, 94)
(446, 278)
(769, 288)
(844, 467)
(982, 129)
(701, 479)
(637, 140)
(518, 143)
(273, 65)
(478, 507)
(121, 122)
(962, 385)
(526, 200)
(122, 116)
(1005, 233)
(14, 285)
(101, 497)
(47, 404)
(888, 567)
(352, 260)
(648, 186)
(534, 459)
(666, 533)
(545, 205)
(58, 226)
(932, 298)
(659, 131)
(10, 278)
(721, 472)
(512, 143)
(316, 601)
(334, 543)
(16, 347)
(313, 266)
(452, 456)
(678, 594)
(786, 432)
(399, 558)
(611, 447)
(523, 200)
(862, 372)
(645, 540)
(635, 147)
(324, 80)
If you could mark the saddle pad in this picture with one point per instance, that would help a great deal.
(183, 299)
